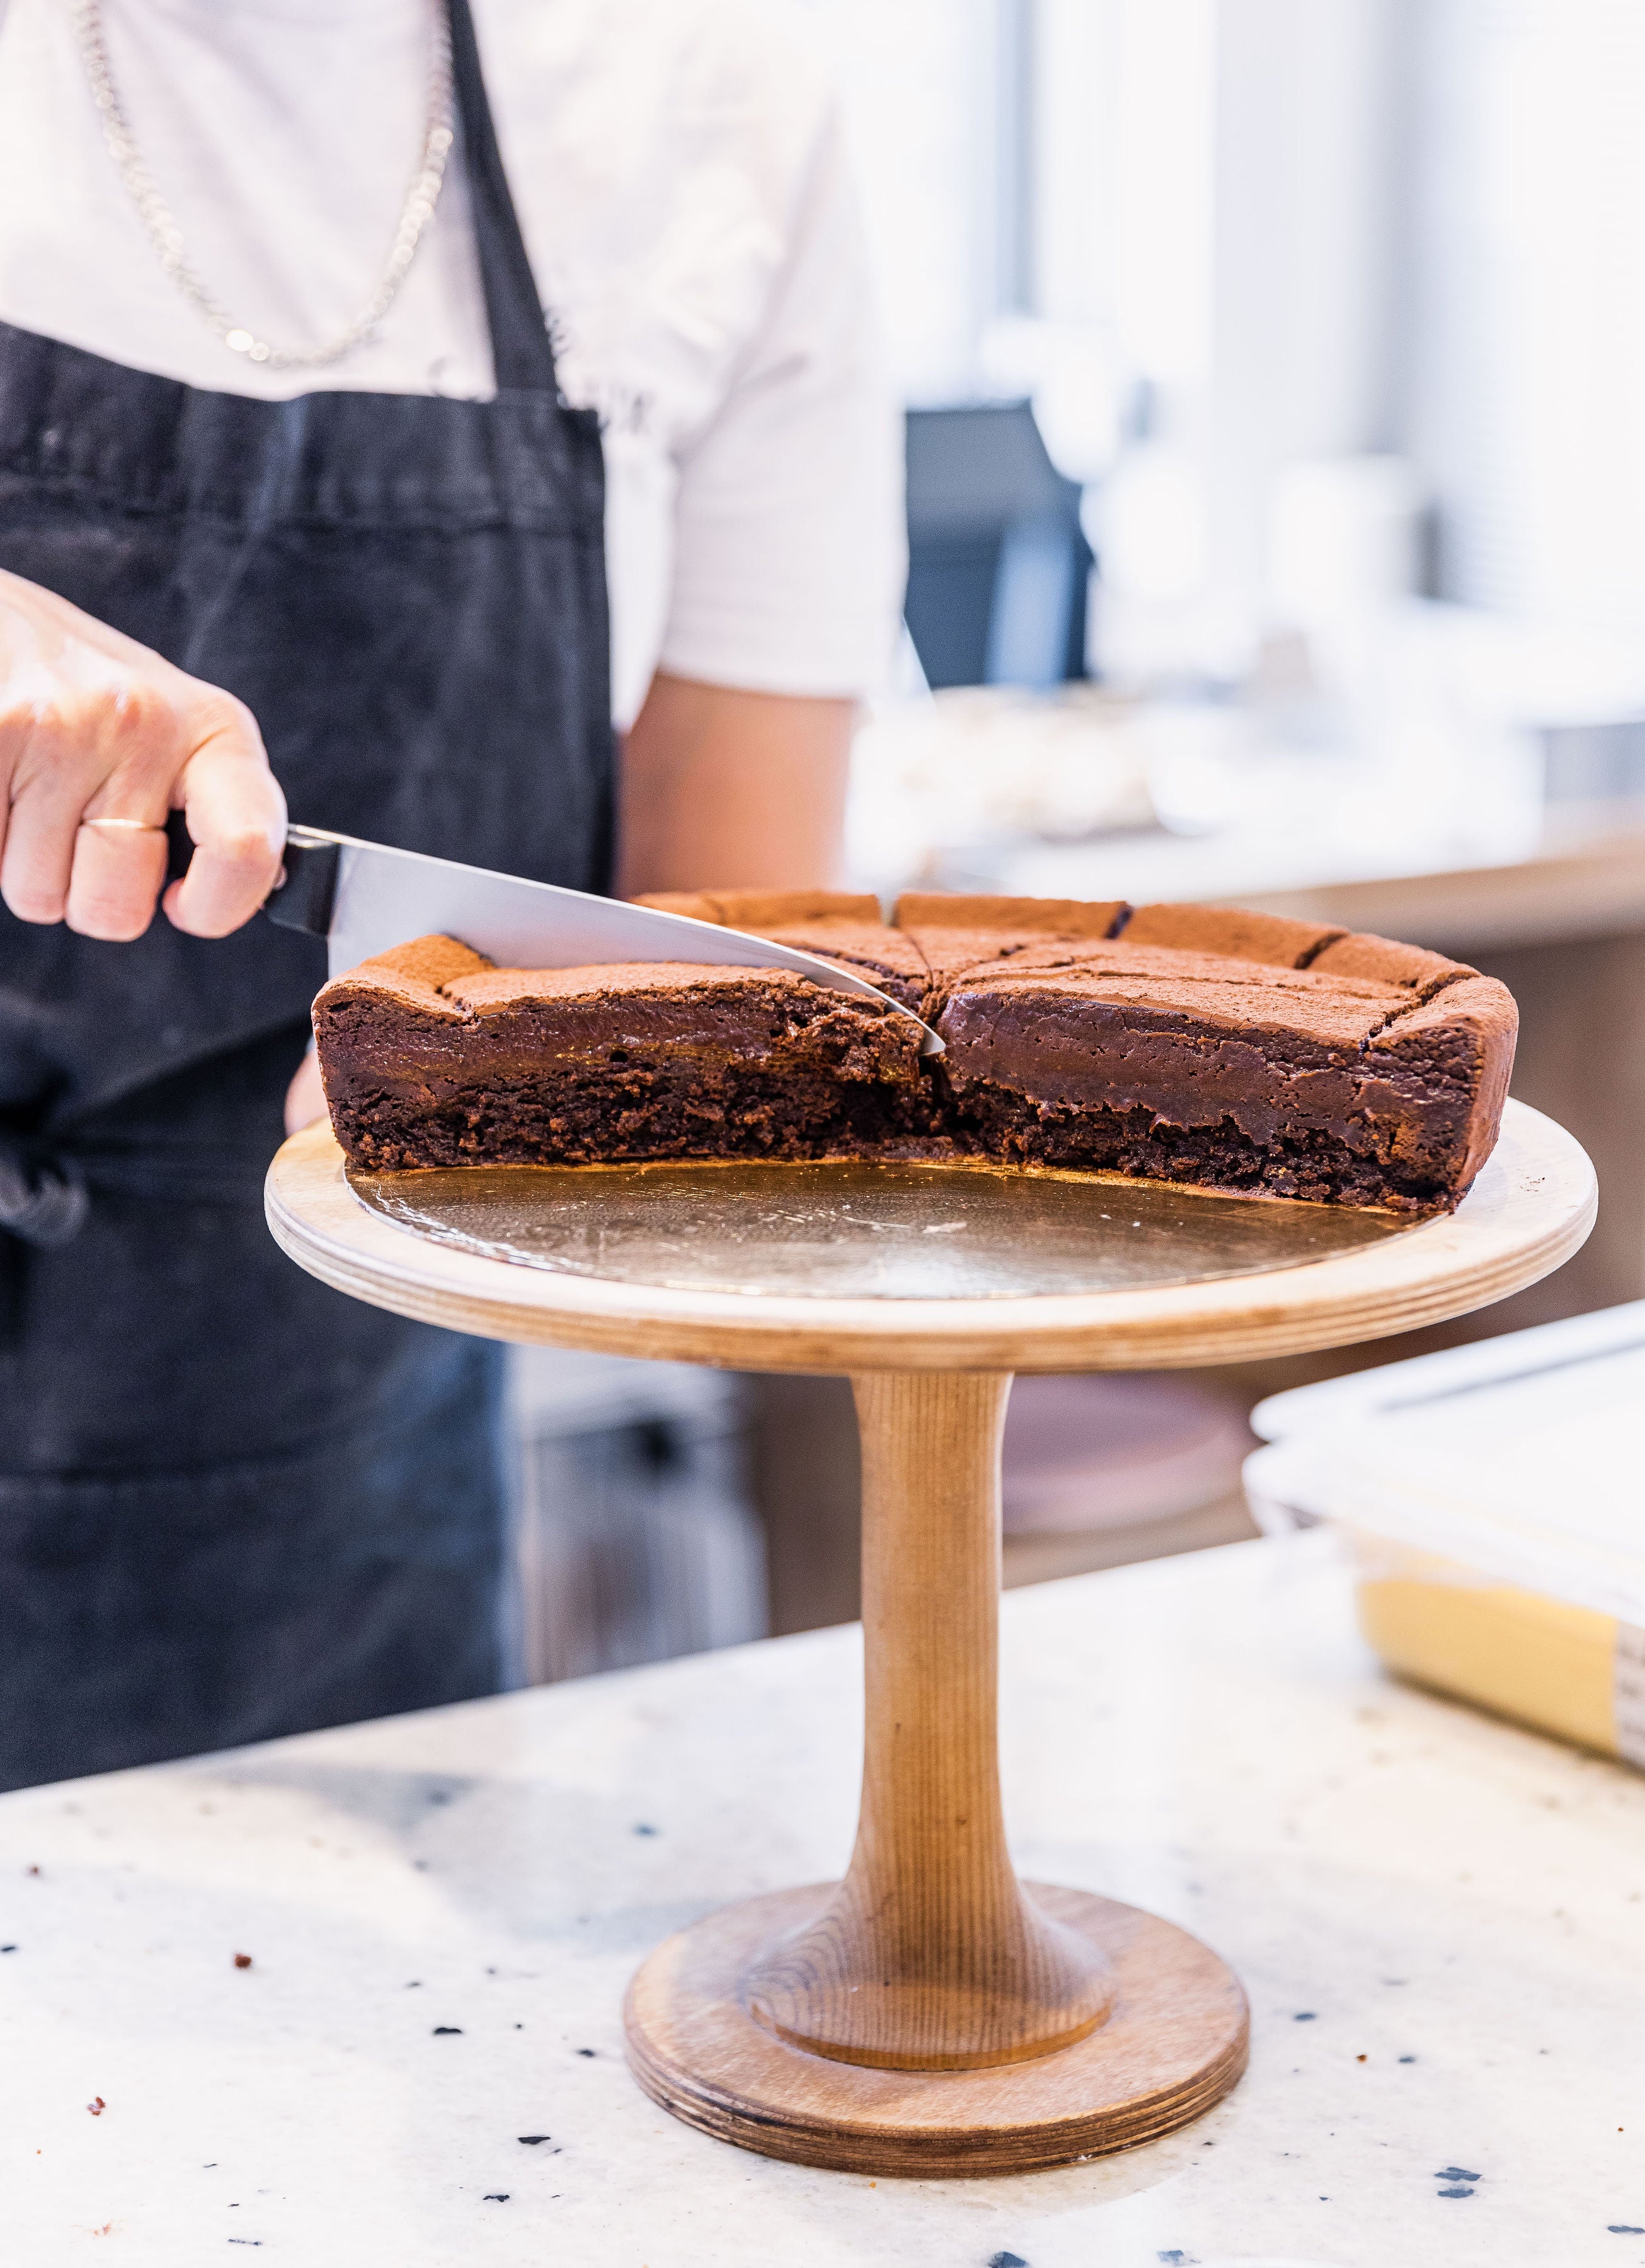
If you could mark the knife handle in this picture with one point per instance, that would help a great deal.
(303, 897)
(307, 891)
(179, 849)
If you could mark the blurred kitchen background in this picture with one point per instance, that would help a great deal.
(1275, 376)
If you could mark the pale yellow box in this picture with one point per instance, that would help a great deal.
(1493, 1500)
(1565, 1669)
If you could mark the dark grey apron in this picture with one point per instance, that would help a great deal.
(233, 1502)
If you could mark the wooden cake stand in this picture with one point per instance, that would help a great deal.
(930, 2014)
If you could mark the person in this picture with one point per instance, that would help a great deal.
(308, 509)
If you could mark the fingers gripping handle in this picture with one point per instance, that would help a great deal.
(303, 897)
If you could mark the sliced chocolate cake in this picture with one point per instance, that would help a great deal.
(433, 1058)
(1240, 1075)
(1238, 1051)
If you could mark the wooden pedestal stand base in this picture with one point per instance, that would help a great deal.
(928, 2015)
(1174, 2045)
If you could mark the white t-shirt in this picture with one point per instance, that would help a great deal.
(679, 171)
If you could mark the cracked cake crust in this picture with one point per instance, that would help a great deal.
(1242, 1051)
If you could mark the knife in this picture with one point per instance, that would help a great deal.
(365, 897)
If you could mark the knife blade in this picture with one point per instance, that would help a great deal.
(365, 897)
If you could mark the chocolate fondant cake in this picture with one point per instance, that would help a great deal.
(433, 1058)
(1238, 1051)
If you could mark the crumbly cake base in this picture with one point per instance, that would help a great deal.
(1314, 1167)
(623, 1119)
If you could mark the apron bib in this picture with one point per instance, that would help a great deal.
(233, 1502)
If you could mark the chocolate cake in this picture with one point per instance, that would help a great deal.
(1237, 1050)
(433, 1058)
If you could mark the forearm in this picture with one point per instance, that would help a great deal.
(731, 789)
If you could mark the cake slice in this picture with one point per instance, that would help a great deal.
(431, 1056)
(838, 925)
(1243, 1074)
(956, 931)
(1275, 938)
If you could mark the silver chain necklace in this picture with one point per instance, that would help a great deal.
(164, 233)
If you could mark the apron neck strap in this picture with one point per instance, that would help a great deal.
(520, 346)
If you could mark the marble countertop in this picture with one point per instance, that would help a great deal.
(1440, 1920)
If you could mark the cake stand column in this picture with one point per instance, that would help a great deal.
(930, 2014)
(929, 1956)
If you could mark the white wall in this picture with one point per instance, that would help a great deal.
(1306, 213)
(1527, 384)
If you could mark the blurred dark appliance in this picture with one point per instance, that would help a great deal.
(999, 567)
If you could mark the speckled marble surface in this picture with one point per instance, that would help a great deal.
(1440, 1922)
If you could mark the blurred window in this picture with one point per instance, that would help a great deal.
(1215, 241)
